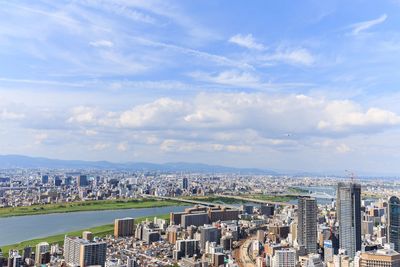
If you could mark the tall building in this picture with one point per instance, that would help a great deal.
(185, 183)
(41, 249)
(209, 233)
(124, 227)
(82, 180)
(307, 224)
(349, 217)
(81, 252)
(284, 258)
(45, 179)
(394, 222)
(57, 181)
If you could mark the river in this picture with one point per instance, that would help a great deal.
(20, 228)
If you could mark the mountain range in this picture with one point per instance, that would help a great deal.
(19, 161)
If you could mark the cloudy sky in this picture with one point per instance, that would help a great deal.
(288, 85)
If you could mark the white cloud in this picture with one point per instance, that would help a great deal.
(232, 77)
(274, 117)
(182, 146)
(83, 115)
(102, 43)
(158, 114)
(246, 41)
(343, 148)
(365, 25)
(122, 147)
(40, 138)
(5, 114)
(100, 146)
(297, 56)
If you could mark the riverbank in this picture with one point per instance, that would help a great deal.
(99, 231)
(92, 205)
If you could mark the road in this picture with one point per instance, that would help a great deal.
(191, 201)
(256, 200)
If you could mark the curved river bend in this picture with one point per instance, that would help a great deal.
(20, 228)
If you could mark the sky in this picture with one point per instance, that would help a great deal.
(284, 85)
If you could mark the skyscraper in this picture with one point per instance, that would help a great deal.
(185, 183)
(394, 222)
(82, 180)
(45, 179)
(124, 227)
(307, 224)
(348, 203)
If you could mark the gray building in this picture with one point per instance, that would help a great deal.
(81, 252)
(394, 222)
(349, 217)
(307, 223)
(209, 233)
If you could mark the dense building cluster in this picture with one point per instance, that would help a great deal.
(348, 229)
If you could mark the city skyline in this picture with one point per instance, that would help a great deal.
(169, 81)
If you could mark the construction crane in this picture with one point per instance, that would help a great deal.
(351, 174)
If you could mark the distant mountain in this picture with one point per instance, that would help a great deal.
(18, 161)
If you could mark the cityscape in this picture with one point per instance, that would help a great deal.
(199, 133)
(213, 219)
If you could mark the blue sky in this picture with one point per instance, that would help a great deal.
(288, 85)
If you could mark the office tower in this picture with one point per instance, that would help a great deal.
(307, 224)
(57, 181)
(41, 249)
(379, 258)
(185, 183)
(81, 252)
(285, 258)
(209, 233)
(68, 181)
(124, 227)
(267, 210)
(87, 235)
(349, 217)
(394, 222)
(45, 179)
(82, 181)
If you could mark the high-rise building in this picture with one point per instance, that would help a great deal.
(209, 233)
(81, 252)
(185, 183)
(82, 181)
(285, 258)
(57, 181)
(394, 222)
(41, 249)
(349, 217)
(186, 248)
(124, 227)
(45, 179)
(307, 224)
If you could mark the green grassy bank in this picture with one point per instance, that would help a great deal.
(92, 205)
